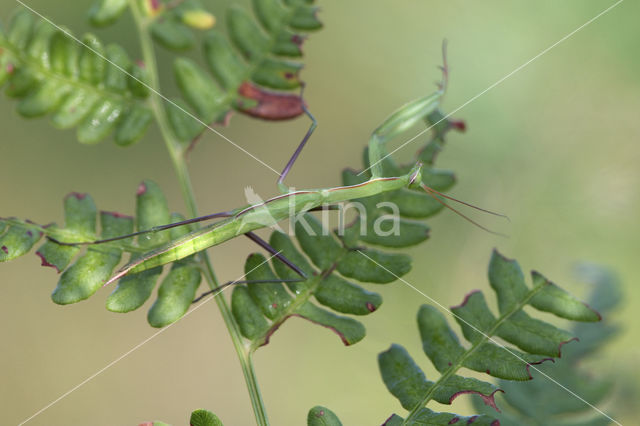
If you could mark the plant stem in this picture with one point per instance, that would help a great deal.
(176, 152)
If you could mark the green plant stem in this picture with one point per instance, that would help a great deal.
(176, 152)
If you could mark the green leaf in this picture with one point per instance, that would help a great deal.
(80, 220)
(343, 296)
(225, 64)
(278, 74)
(349, 330)
(117, 61)
(92, 66)
(250, 40)
(133, 290)
(172, 34)
(43, 100)
(199, 90)
(183, 124)
(74, 108)
(374, 266)
(16, 242)
(133, 126)
(20, 29)
(106, 12)
(322, 416)
(271, 298)
(252, 324)
(101, 122)
(559, 302)
(204, 418)
(175, 295)
(151, 210)
(305, 18)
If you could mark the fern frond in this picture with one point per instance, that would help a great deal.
(260, 309)
(253, 75)
(81, 279)
(52, 74)
(536, 341)
(542, 402)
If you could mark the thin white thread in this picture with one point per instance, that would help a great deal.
(71, 36)
(492, 340)
(494, 84)
(139, 345)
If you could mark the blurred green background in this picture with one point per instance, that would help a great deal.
(555, 147)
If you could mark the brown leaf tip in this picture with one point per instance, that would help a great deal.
(574, 339)
(488, 400)
(77, 195)
(594, 311)
(458, 125)
(335, 330)
(298, 40)
(46, 263)
(118, 215)
(465, 300)
(537, 363)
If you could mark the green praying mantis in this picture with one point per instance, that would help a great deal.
(245, 220)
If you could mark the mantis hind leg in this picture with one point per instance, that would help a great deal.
(314, 123)
(282, 258)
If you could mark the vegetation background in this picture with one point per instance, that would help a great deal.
(555, 147)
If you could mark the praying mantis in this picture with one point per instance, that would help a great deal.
(246, 220)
